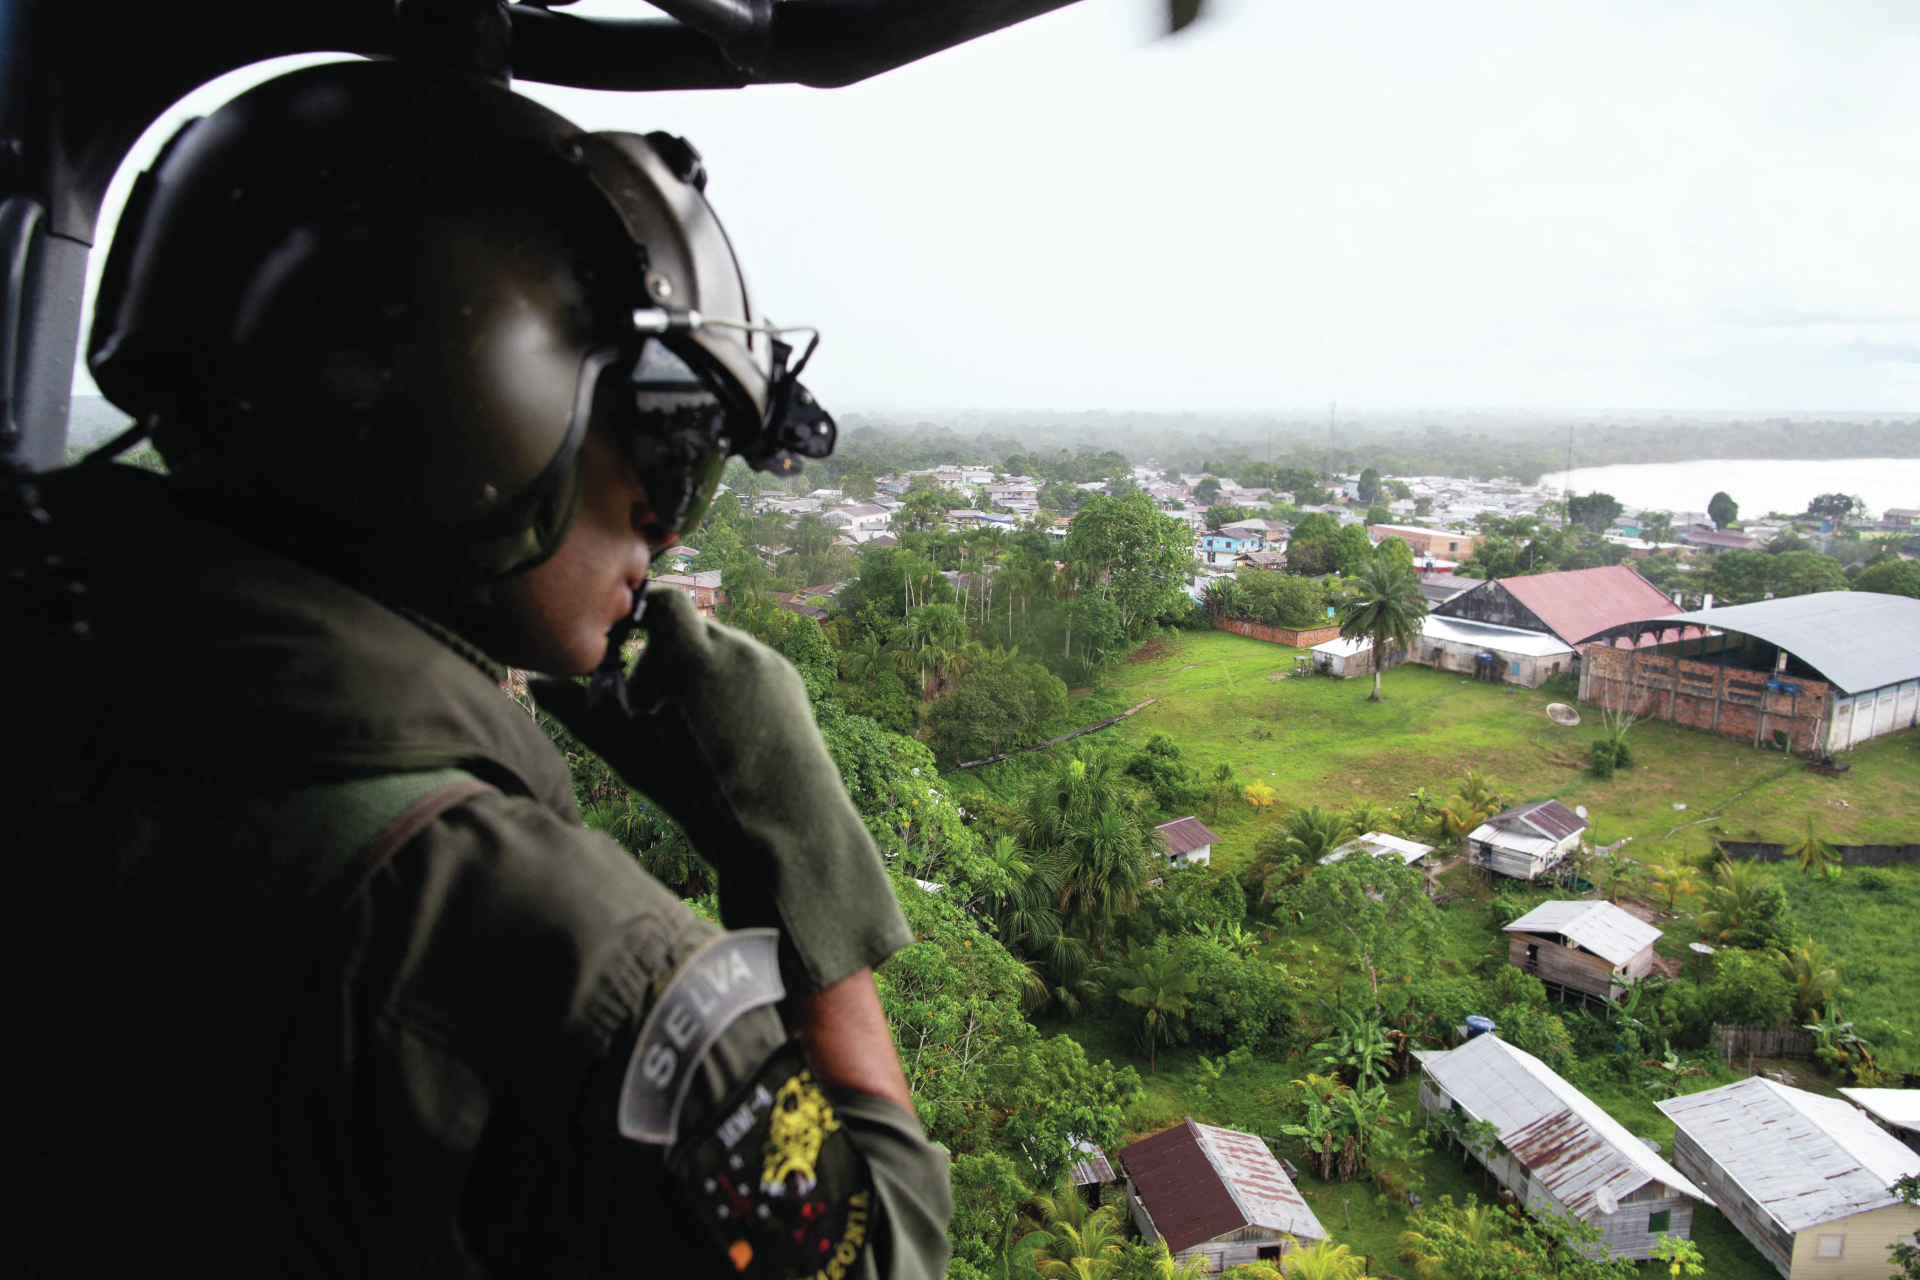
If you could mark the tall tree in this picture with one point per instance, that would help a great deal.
(1140, 558)
(1160, 982)
(1385, 609)
(1722, 509)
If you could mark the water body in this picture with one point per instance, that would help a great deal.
(1759, 485)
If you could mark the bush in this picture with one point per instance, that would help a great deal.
(1769, 925)
(1239, 1003)
(1174, 784)
(1748, 988)
(1600, 759)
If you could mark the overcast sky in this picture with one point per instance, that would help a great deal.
(1706, 205)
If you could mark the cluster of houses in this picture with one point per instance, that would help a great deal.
(1809, 1180)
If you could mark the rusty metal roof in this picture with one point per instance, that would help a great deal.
(1093, 1169)
(1199, 1182)
(1575, 603)
(1803, 1159)
(1184, 835)
(1565, 1138)
(1548, 818)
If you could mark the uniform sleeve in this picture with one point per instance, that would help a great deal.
(456, 1068)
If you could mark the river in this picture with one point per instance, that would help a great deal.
(1759, 485)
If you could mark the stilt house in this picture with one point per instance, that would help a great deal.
(1526, 841)
(1558, 1150)
(1586, 948)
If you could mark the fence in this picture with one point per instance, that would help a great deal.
(1298, 639)
(1851, 855)
(1762, 1042)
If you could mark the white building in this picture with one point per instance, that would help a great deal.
(1381, 845)
(1558, 1150)
(1188, 843)
(1806, 1179)
(1895, 1110)
(862, 522)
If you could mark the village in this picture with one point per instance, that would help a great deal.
(1763, 1138)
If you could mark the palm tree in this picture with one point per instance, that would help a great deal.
(1384, 607)
(1160, 983)
(1732, 896)
(1478, 1229)
(1223, 598)
(1814, 854)
(1674, 876)
(865, 660)
(1816, 976)
(1091, 816)
(1371, 815)
(1322, 1260)
(1166, 1267)
(1073, 1242)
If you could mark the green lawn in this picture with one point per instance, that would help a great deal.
(1321, 742)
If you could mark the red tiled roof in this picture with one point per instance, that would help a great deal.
(1576, 603)
(1184, 835)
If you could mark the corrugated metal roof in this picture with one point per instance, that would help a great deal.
(1600, 927)
(1487, 635)
(1094, 1169)
(1563, 1137)
(1576, 603)
(1199, 1182)
(1184, 835)
(1856, 640)
(1549, 818)
(1802, 1158)
(1381, 844)
(1898, 1107)
(1519, 841)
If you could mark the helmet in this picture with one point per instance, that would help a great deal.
(374, 306)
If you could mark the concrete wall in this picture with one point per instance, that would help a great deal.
(1857, 718)
(1863, 1249)
(1278, 635)
(1723, 700)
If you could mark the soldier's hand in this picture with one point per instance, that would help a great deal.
(720, 735)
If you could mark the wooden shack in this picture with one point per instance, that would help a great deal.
(1582, 948)
(1526, 841)
(1558, 1150)
(1215, 1193)
(1807, 1180)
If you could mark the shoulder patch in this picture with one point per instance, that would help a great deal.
(776, 1180)
(725, 978)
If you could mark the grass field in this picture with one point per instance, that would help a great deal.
(1321, 742)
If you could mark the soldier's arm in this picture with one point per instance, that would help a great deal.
(459, 1069)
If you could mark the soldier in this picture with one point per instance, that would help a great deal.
(309, 964)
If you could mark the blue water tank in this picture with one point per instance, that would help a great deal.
(1478, 1026)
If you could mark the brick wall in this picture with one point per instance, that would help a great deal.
(1723, 700)
(1278, 635)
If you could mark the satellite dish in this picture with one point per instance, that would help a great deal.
(1580, 811)
(1608, 1202)
(1562, 714)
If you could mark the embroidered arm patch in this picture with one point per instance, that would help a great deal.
(776, 1180)
(725, 978)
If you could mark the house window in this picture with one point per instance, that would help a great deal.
(1268, 1252)
(1658, 1222)
(1831, 1247)
(1513, 668)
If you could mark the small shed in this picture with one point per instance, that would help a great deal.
(1188, 842)
(1593, 948)
(1806, 1179)
(1344, 658)
(1528, 840)
(1558, 1149)
(1895, 1110)
(1381, 844)
(1214, 1193)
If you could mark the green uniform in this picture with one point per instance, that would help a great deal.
(310, 968)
